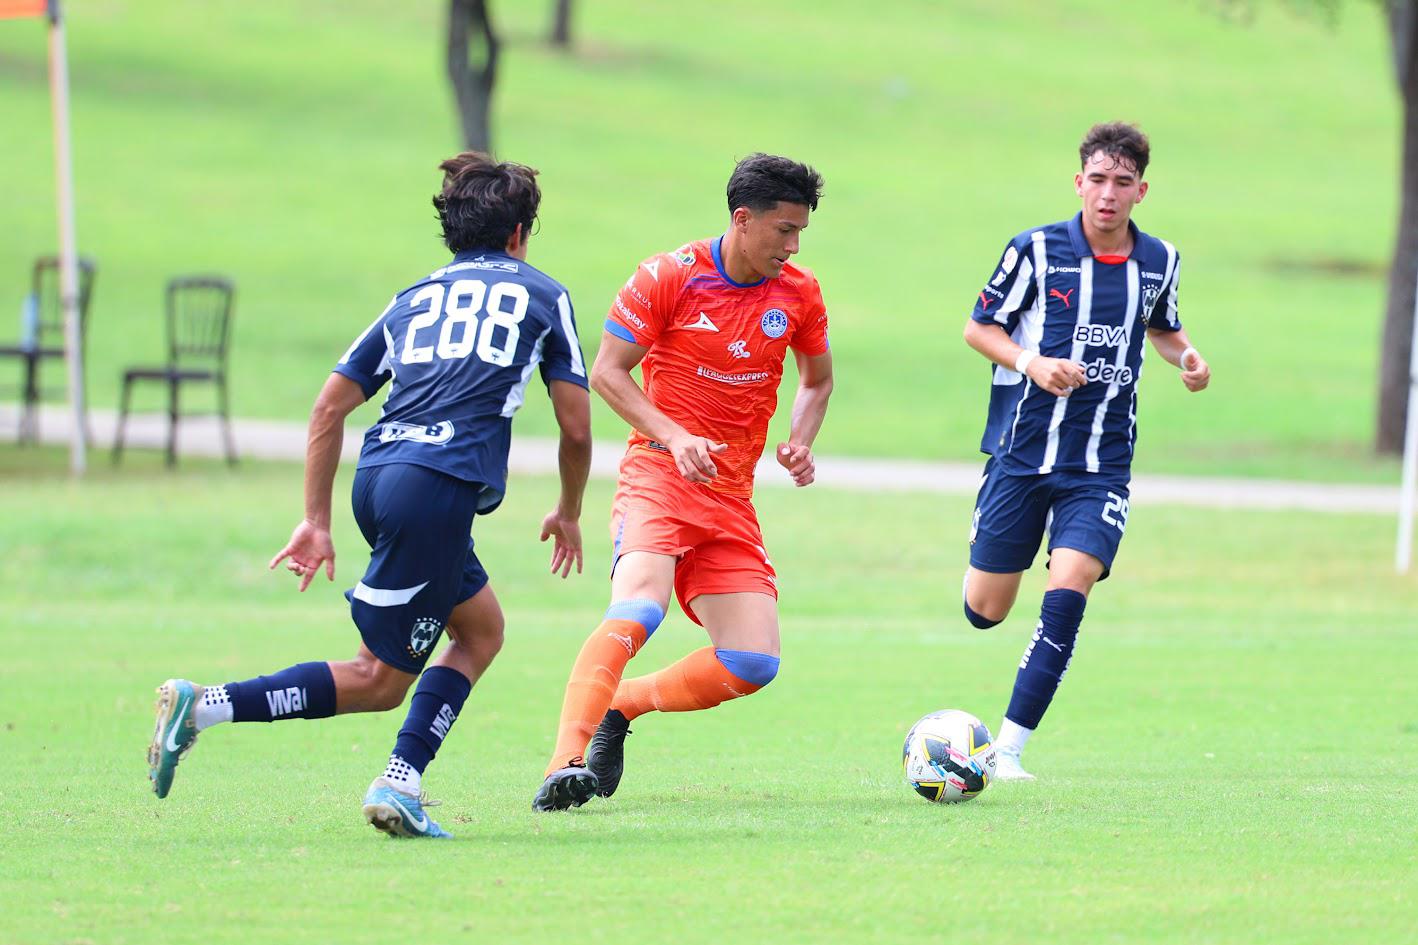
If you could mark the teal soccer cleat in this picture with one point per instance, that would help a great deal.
(175, 732)
(399, 814)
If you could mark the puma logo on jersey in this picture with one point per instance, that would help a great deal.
(704, 324)
(1063, 296)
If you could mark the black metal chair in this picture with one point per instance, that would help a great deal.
(199, 312)
(46, 339)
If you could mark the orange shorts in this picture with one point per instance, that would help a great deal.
(715, 537)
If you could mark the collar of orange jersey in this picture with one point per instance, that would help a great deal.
(1080, 242)
(719, 265)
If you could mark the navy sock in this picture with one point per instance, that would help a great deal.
(1046, 658)
(304, 691)
(434, 708)
(978, 621)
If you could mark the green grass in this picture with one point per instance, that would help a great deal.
(1231, 759)
(293, 146)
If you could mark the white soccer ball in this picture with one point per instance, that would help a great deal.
(949, 756)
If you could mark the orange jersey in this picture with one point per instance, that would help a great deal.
(717, 348)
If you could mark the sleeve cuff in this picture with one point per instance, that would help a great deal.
(365, 382)
(564, 374)
(623, 333)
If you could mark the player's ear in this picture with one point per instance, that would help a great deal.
(516, 242)
(1141, 192)
(1078, 184)
(740, 217)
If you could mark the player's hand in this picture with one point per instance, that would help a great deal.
(1058, 376)
(566, 550)
(797, 460)
(694, 456)
(1196, 373)
(309, 547)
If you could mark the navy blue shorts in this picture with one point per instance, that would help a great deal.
(1080, 510)
(421, 564)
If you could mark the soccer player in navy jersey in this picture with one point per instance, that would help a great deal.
(457, 348)
(1063, 319)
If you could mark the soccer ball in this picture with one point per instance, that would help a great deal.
(949, 756)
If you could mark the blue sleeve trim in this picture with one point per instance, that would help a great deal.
(368, 384)
(642, 610)
(550, 374)
(757, 669)
(620, 331)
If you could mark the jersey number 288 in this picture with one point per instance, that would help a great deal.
(460, 333)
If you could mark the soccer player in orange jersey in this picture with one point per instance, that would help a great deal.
(710, 325)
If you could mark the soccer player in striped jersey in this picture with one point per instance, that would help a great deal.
(1063, 319)
(709, 325)
(457, 349)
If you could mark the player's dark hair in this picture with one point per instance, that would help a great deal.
(760, 180)
(482, 201)
(1118, 140)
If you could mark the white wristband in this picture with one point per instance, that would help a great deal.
(1182, 361)
(1021, 363)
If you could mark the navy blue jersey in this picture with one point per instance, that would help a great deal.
(1052, 296)
(459, 347)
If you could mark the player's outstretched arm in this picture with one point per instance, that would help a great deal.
(563, 523)
(310, 545)
(809, 409)
(1058, 376)
(1176, 348)
(610, 377)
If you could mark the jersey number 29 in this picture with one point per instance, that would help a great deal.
(461, 333)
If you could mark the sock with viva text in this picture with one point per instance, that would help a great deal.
(304, 691)
(596, 674)
(434, 708)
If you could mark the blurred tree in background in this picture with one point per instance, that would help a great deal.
(1403, 275)
(561, 24)
(472, 69)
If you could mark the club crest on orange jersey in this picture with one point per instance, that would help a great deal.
(774, 322)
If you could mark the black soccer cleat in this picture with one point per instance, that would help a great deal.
(605, 756)
(570, 786)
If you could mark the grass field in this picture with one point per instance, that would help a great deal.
(293, 146)
(1231, 759)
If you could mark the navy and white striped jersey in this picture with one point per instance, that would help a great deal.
(459, 347)
(1053, 296)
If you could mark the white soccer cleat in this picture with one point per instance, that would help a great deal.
(1008, 767)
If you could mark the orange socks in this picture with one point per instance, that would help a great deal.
(594, 677)
(699, 681)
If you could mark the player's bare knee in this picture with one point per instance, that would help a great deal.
(986, 606)
(985, 614)
(388, 688)
(483, 637)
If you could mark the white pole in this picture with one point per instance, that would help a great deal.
(1403, 558)
(68, 254)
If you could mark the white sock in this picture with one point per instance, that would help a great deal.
(402, 775)
(1012, 737)
(213, 707)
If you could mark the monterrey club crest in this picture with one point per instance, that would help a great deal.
(774, 322)
(1150, 295)
(425, 632)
